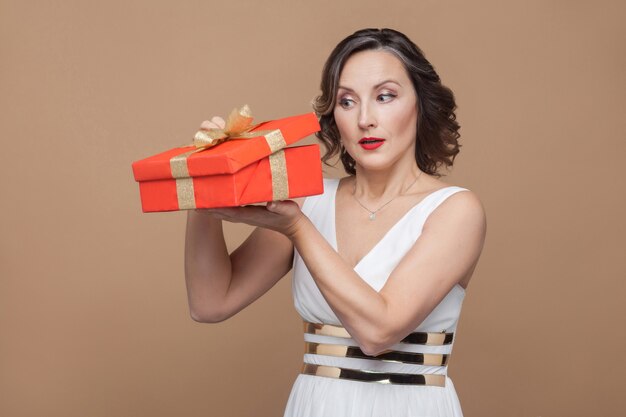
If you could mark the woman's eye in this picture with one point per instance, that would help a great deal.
(346, 103)
(385, 97)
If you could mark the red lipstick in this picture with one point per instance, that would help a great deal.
(370, 144)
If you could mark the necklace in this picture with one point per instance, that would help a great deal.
(372, 215)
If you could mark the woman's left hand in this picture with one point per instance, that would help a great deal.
(280, 216)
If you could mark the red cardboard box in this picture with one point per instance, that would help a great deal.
(238, 171)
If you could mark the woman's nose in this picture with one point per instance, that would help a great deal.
(367, 119)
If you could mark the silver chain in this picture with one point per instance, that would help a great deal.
(372, 215)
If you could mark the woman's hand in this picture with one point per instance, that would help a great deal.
(281, 216)
(215, 123)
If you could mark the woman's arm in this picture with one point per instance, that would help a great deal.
(220, 285)
(445, 254)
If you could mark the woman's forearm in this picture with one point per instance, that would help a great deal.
(358, 306)
(207, 266)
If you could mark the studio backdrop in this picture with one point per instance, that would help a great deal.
(93, 310)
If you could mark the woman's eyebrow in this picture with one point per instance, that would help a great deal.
(390, 80)
(387, 81)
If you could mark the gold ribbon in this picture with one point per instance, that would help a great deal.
(238, 126)
(278, 170)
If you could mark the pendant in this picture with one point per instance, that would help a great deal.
(373, 216)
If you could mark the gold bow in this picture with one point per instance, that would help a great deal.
(238, 126)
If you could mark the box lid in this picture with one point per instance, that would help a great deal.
(230, 156)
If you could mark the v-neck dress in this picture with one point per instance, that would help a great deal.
(319, 396)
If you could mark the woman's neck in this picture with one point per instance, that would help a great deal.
(379, 185)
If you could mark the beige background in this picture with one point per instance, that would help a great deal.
(93, 313)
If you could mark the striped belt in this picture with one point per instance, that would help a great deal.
(389, 356)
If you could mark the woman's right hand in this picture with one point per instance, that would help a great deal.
(215, 123)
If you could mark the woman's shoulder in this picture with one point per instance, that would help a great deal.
(430, 189)
(450, 199)
(456, 204)
(456, 196)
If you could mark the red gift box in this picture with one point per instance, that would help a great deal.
(248, 168)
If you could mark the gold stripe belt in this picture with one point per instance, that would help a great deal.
(389, 356)
(416, 338)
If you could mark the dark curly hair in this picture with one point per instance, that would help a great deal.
(437, 128)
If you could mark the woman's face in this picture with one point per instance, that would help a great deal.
(376, 110)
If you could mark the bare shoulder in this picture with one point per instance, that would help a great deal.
(464, 200)
(463, 208)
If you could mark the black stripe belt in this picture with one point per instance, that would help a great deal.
(370, 376)
(431, 359)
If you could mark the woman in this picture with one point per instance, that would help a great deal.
(381, 259)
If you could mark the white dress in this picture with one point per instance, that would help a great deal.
(320, 396)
